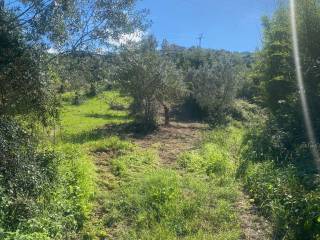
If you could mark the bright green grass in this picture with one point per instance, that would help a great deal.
(78, 137)
(78, 123)
(66, 211)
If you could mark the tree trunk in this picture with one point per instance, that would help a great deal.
(166, 115)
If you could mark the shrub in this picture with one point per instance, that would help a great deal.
(45, 194)
(92, 90)
(77, 99)
(280, 182)
(282, 196)
(217, 81)
(26, 174)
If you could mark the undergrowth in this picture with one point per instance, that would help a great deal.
(286, 192)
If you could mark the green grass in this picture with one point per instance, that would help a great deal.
(196, 200)
(79, 136)
(142, 199)
(285, 193)
(79, 124)
(289, 198)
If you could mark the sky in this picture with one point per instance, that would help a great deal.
(233, 25)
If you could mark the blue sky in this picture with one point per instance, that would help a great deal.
(226, 24)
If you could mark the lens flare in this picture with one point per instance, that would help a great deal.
(304, 102)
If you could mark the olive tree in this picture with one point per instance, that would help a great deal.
(214, 87)
(152, 81)
(70, 25)
(32, 28)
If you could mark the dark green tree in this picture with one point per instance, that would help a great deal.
(214, 89)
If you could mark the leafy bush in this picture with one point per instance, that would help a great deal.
(281, 182)
(217, 81)
(26, 174)
(45, 194)
(246, 112)
(282, 195)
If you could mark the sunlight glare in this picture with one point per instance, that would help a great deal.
(304, 102)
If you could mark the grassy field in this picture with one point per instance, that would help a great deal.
(135, 196)
(78, 123)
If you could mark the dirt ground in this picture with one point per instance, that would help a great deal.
(173, 140)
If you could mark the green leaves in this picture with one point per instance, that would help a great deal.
(150, 79)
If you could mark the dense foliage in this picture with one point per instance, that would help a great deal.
(213, 79)
(278, 168)
(25, 87)
(274, 73)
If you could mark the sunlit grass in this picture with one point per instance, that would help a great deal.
(79, 122)
(78, 137)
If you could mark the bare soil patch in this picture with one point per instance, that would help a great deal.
(173, 140)
(255, 227)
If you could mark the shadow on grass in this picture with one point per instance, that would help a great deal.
(107, 116)
(122, 130)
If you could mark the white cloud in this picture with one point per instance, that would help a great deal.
(52, 50)
(127, 38)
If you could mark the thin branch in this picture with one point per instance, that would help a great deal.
(24, 12)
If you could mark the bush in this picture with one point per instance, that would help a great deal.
(92, 90)
(45, 194)
(26, 174)
(77, 99)
(281, 195)
(217, 81)
(281, 182)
